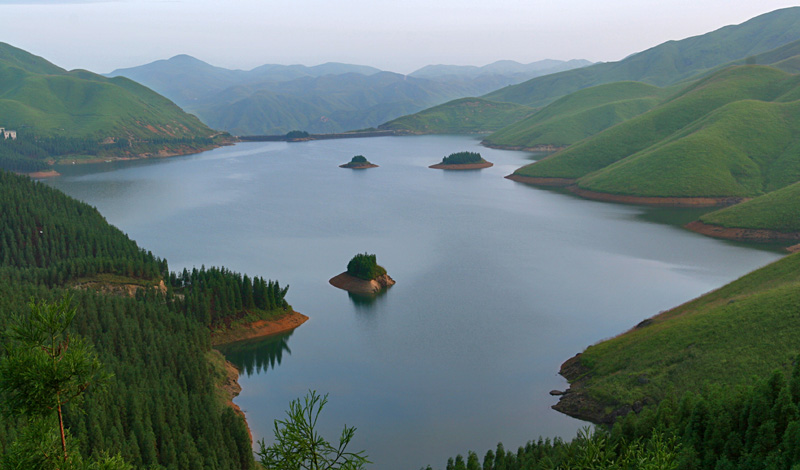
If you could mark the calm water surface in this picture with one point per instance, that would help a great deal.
(497, 282)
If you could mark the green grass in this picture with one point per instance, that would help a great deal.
(733, 152)
(778, 211)
(747, 328)
(580, 115)
(659, 126)
(48, 101)
(461, 116)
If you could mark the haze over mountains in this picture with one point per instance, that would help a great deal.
(332, 97)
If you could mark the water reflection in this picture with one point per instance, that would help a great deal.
(258, 355)
(366, 303)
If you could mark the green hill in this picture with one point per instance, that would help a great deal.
(462, 116)
(667, 63)
(580, 115)
(727, 337)
(743, 149)
(778, 211)
(46, 100)
(669, 130)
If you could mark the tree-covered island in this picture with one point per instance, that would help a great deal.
(363, 276)
(462, 161)
(359, 162)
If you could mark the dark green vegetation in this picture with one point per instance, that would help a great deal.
(298, 445)
(778, 211)
(461, 116)
(667, 63)
(733, 133)
(329, 98)
(293, 135)
(365, 266)
(161, 406)
(580, 115)
(43, 369)
(79, 113)
(750, 427)
(462, 158)
(358, 161)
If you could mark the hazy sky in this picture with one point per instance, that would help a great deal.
(399, 36)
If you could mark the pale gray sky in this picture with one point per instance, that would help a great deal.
(399, 36)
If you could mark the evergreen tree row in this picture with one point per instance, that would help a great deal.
(460, 158)
(217, 295)
(162, 408)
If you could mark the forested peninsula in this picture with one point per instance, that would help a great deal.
(150, 327)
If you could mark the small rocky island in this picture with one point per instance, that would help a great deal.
(359, 162)
(462, 161)
(363, 276)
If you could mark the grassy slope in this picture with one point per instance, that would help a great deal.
(580, 115)
(40, 96)
(651, 128)
(666, 63)
(744, 329)
(465, 115)
(738, 150)
(778, 211)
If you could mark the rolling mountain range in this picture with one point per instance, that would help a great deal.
(760, 40)
(274, 99)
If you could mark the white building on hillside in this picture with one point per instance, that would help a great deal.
(8, 134)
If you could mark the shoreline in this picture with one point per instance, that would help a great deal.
(574, 402)
(535, 148)
(554, 182)
(43, 174)
(143, 156)
(359, 167)
(662, 201)
(259, 328)
(657, 200)
(742, 234)
(358, 286)
(463, 166)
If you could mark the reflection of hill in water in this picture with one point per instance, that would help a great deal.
(257, 355)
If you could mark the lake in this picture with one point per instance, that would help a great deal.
(498, 282)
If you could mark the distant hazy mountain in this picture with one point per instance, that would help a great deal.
(666, 63)
(506, 68)
(184, 79)
(332, 97)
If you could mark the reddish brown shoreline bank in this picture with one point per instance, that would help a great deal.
(465, 166)
(43, 174)
(557, 182)
(535, 148)
(569, 183)
(258, 329)
(658, 201)
(742, 234)
(359, 286)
